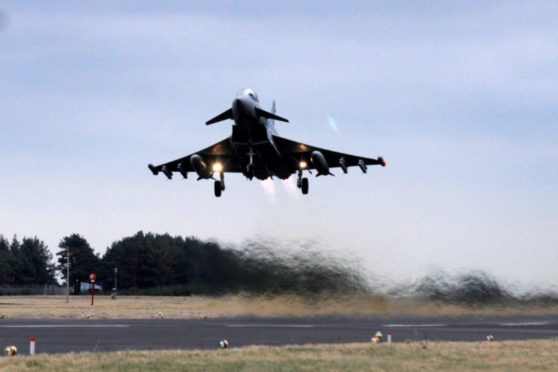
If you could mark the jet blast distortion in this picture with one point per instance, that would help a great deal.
(255, 150)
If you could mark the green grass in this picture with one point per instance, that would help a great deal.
(435, 356)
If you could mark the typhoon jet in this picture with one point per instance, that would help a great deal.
(255, 150)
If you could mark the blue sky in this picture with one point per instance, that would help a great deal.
(459, 97)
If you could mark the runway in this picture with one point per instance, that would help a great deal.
(61, 336)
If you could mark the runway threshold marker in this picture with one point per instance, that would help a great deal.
(32, 345)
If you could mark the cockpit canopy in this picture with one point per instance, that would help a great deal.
(250, 93)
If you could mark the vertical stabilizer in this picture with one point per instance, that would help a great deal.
(271, 121)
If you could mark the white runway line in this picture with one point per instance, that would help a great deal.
(523, 324)
(414, 325)
(66, 326)
(249, 325)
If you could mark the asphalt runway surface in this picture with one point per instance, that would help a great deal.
(61, 336)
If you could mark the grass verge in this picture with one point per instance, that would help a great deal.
(143, 307)
(435, 356)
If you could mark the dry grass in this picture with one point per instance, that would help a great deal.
(134, 307)
(496, 356)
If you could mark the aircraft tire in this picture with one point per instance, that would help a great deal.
(304, 186)
(217, 188)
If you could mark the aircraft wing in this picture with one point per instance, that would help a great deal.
(221, 152)
(302, 152)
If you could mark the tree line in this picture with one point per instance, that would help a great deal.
(160, 264)
(25, 262)
(149, 263)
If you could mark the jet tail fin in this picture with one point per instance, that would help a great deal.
(222, 116)
(270, 115)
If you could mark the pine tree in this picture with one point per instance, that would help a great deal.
(83, 260)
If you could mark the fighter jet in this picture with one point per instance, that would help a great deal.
(255, 150)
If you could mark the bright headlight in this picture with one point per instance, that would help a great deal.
(217, 167)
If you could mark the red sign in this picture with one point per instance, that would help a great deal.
(92, 278)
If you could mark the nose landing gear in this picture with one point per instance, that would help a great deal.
(250, 171)
(250, 167)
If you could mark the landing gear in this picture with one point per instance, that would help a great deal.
(304, 186)
(222, 178)
(219, 186)
(250, 167)
(250, 171)
(302, 183)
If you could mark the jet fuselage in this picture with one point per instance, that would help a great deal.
(252, 138)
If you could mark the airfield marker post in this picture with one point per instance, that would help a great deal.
(32, 345)
(92, 278)
(389, 338)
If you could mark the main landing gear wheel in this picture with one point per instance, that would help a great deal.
(304, 185)
(218, 188)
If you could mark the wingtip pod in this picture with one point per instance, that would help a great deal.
(383, 163)
(153, 169)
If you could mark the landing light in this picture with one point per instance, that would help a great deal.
(302, 164)
(217, 167)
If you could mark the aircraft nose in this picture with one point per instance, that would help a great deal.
(240, 106)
